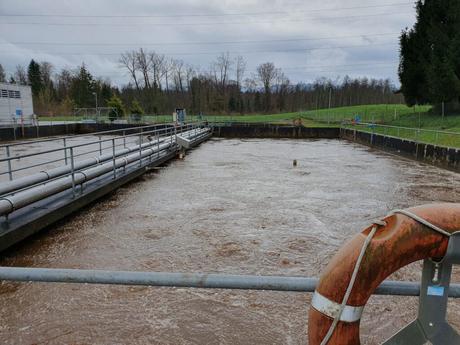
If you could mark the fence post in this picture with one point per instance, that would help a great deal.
(72, 170)
(140, 148)
(158, 143)
(10, 173)
(113, 160)
(14, 128)
(65, 151)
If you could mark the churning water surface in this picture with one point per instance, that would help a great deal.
(232, 206)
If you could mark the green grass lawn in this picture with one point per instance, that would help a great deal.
(381, 113)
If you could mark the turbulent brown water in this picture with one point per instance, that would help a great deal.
(232, 206)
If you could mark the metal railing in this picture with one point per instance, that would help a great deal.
(65, 147)
(419, 135)
(195, 280)
(149, 146)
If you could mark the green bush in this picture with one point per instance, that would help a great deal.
(118, 110)
(136, 111)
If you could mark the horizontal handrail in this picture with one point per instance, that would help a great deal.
(193, 280)
(70, 137)
(101, 141)
(368, 124)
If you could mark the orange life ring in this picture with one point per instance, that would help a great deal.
(397, 242)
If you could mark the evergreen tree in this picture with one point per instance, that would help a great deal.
(83, 88)
(118, 108)
(429, 68)
(35, 78)
(136, 110)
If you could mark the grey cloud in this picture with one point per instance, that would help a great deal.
(302, 19)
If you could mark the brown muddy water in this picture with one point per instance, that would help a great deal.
(232, 206)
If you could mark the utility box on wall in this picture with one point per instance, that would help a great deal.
(16, 105)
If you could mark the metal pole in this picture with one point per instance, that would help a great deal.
(194, 280)
(10, 173)
(113, 159)
(140, 149)
(65, 151)
(72, 167)
(158, 143)
(14, 128)
(100, 145)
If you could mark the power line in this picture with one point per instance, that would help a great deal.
(312, 68)
(199, 43)
(206, 15)
(300, 50)
(305, 67)
(203, 23)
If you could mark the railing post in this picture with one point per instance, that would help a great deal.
(158, 143)
(100, 145)
(140, 149)
(10, 172)
(14, 128)
(124, 139)
(65, 151)
(113, 160)
(72, 170)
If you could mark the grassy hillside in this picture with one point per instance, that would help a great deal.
(410, 123)
(382, 114)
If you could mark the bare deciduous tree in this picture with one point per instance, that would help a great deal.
(157, 62)
(144, 66)
(267, 74)
(20, 75)
(128, 61)
(46, 70)
(190, 73)
(240, 69)
(2, 74)
(166, 70)
(220, 69)
(178, 75)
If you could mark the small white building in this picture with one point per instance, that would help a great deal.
(15, 104)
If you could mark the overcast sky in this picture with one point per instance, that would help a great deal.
(306, 38)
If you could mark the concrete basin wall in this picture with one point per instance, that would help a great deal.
(274, 131)
(438, 155)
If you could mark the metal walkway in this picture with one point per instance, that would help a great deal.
(46, 186)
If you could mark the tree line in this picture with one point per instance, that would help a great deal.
(158, 84)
